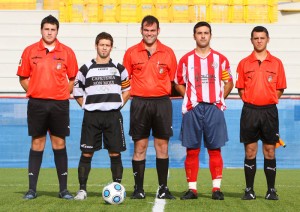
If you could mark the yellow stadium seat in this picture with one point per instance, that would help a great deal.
(168, 11)
(51, 4)
(18, 5)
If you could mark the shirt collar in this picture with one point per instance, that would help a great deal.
(58, 46)
(159, 46)
(254, 59)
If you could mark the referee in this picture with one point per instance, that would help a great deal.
(47, 70)
(260, 83)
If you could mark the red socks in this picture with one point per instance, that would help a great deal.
(216, 167)
(192, 167)
(192, 164)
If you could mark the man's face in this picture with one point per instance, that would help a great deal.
(49, 33)
(104, 48)
(259, 41)
(149, 33)
(202, 37)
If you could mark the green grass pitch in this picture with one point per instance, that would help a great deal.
(14, 183)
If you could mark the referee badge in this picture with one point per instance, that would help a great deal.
(161, 70)
(270, 78)
(58, 66)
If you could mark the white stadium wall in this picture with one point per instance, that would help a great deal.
(21, 28)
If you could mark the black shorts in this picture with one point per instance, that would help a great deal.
(259, 123)
(44, 115)
(151, 113)
(106, 124)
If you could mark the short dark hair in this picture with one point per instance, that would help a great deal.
(201, 24)
(259, 29)
(150, 19)
(50, 19)
(104, 35)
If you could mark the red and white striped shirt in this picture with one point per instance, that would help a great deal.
(203, 78)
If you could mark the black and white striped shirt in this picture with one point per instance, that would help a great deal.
(101, 85)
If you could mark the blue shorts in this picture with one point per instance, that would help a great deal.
(204, 120)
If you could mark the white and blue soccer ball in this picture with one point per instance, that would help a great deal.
(114, 193)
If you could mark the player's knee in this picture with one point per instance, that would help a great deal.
(192, 153)
(87, 154)
(114, 154)
(214, 152)
(269, 155)
(250, 153)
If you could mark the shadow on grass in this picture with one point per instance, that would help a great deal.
(149, 195)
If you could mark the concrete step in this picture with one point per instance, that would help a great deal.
(25, 16)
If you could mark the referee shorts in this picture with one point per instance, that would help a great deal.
(259, 123)
(207, 121)
(148, 114)
(48, 114)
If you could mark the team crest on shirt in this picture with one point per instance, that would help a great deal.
(20, 62)
(58, 66)
(113, 72)
(215, 65)
(270, 78)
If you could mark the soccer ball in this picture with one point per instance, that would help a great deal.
(114, 193)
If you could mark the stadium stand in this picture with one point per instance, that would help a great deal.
(18, 4)
(21, 27)
(174, 11)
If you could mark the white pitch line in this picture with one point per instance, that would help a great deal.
(159, 205)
